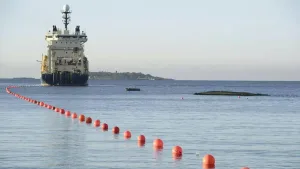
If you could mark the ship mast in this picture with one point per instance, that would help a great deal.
(66, 15)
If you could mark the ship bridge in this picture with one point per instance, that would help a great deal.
(58, 34)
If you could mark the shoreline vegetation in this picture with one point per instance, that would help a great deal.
(229, 93)
(102, 75)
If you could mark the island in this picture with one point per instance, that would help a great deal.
(230, 93)
(102, 75)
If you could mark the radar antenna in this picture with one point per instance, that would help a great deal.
(66, 17)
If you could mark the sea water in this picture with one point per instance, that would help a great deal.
(258, 132)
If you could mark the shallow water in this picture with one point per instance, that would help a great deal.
(259, 132)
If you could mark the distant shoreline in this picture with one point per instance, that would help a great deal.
(141, 76)
(102, 75)
(29, 78)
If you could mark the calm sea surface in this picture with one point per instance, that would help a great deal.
(258, 132)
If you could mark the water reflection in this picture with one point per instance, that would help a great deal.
(141, 144)
(177, 161)
(176, 158)
(208, 166)
(65, 144)
(116, 136)
(157, 154)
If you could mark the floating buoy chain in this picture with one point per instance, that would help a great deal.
(208, 160)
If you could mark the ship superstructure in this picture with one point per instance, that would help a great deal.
(65, 63)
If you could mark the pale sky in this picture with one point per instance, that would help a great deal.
(181, 39)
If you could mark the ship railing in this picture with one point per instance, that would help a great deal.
(59, 32)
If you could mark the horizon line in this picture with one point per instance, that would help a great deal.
(12, 78)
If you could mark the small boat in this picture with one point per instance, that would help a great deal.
(133, 89)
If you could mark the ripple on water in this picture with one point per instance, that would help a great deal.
(260, 132)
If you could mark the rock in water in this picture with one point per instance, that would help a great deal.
(229, 93)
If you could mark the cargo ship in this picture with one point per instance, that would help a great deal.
(65, 63)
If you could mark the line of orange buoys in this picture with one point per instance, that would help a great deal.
(208, 160)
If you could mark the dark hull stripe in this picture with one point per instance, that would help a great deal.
(65, 79)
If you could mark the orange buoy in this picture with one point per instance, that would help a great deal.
(88, 120)
(97, 123)
(208, 160)
(104, 126)
(57, 109)
(68, 113)
(158, 144)
(81, 118)
(74, 115)
(141, 139)
(41, 103)
(127, 134)
(116, 130)
(177, 151)
(62, 111)
(245, 168)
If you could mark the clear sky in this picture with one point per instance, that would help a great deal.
(181, 39)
